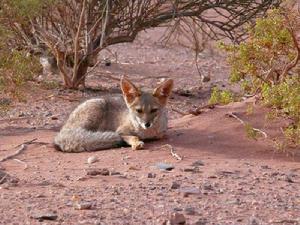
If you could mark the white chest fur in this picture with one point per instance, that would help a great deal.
(157, 130)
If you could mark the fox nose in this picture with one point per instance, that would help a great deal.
(147, 125)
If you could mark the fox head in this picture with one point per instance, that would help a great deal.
(146, 106)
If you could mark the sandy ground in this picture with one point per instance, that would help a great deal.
(223, 177)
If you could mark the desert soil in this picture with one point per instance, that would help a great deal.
(218, 175)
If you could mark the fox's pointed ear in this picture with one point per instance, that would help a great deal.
(130, 91)
(163, 91)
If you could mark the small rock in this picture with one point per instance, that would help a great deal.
(21, 114)
(191, 169)
(190, 191)
(175, 185)
(177, 219)
(5, 101)
(207, 187)
(225, 172)
(165, 166)
(206, 79)
(289, 179)
(54, 117)
(95, 172)
(201, 221)
(265, 167)
(198, 163)
(151, 175)
(83, 205)
(114, 173)
(177, 209)
(107, 62)
(44, 215)
(254, 221)
(134, 168)
(48, 114)
(92, 159)
(190, 211)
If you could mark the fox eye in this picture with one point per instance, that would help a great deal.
(154, 110)
(139, 110)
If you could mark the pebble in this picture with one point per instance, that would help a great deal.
(83, 205)
(54, 117)
(207, 187)
(95, 172)
(165, 166)
(198, 163)
(92, 159)
(114, 173)
(190, 211)
(201, 221)
(44, 215)
(151, 175)
(254, 221)
(289, 179)
(21, 114)
(175, 185)
(48, 114)
(190, 191)
(191, 169)
(177, 219)
(177, 209)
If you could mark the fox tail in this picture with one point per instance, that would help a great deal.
(80, 140)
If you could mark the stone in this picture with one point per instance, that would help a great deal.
(95, 172)
(44, 214)
(201, 221)
(165, 166)
(177, 219)
(92, 159)
(83, 205)
(190, 211)
(198, 163)
(175, 185)
(151, 175)
(190, 191)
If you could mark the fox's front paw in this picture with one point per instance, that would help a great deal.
(137, 145)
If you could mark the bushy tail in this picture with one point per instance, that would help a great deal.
(80, 140)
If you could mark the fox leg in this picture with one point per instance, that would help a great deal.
(134, 142)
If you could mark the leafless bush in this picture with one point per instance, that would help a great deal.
(76, 31)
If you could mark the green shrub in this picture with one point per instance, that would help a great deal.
(16, 68)
(221, 97)
(259, 66)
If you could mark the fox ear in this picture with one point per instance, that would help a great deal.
(130, 91)
(163, 91)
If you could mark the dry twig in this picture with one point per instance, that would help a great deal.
(24, 163)
(243, 122)
(23, 147)
(3, 178)
(173, 153)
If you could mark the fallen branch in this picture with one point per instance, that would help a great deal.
(243, 122)
(23, 147)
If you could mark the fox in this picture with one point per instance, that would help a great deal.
(135, 116)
